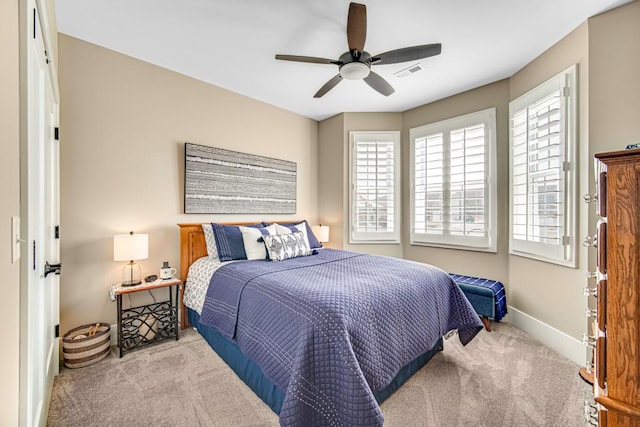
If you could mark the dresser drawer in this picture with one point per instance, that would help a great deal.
(601, 312)
(601, 205)
(602, 246)
(601, 361)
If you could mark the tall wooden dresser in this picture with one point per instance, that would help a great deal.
(617, 325)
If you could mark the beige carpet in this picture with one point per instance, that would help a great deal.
(502, 378)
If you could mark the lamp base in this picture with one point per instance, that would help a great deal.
(131, 274)
(131, 283)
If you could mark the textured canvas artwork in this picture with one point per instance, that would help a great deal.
(224, 181)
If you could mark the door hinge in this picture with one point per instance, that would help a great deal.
(56, 232)
(57, 331)
(566, 166)
(566, 91)
(566, 240)
(56, 133)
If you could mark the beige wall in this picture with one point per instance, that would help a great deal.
(614, 79)
(614, 88)
(548, 292)
(333, 167)
(123, 127)
(331, 178)
(10, 206)
(482, 264)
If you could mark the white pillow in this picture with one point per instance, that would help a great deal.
(255, 249)
(281, 229)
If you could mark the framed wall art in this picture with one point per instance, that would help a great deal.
(229, 182)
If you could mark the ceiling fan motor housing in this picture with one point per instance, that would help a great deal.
(353, 68)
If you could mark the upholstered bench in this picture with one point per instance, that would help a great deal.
(486, 296)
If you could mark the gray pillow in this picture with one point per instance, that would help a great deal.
(210, 238)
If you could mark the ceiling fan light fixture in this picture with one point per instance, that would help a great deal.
(354, 70)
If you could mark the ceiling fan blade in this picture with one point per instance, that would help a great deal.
(328, 86)
(407, 54)
(378, 83)
(357, 28)
(311, 59)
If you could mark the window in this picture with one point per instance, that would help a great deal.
(375, 187)
(542, 171)
(453, 186)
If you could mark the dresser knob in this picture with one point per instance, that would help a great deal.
(588, 340)
(590, 241)
(590, 198)
(590, 312)
(590, 292)
(592, 275)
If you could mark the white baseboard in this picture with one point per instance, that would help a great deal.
(564, 344)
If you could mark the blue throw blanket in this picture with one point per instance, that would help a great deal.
(330, 328)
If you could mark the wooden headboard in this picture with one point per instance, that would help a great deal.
(192, 247)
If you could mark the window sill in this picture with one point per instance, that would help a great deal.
(455, 247)
(374, 242)
(562, 263)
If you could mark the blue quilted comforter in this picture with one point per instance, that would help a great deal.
(330, 328)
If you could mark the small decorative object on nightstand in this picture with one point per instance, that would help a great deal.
(146, 324)
(167, 272)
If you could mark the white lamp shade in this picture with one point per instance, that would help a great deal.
(321, 232)
(130, 247)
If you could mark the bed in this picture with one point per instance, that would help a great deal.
(324, 339)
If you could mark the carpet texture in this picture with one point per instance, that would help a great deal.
(502, 378)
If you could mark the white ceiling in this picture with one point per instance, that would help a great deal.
(232, 44)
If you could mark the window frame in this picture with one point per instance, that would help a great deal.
(564, 254)
(375, 237)
(479, 244)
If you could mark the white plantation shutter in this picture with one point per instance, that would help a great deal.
(453, 193)
(375, 187)
(429, 185)
(537, 176)
(467, 188)
(541, 172)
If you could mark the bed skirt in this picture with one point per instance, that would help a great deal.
(251, 374)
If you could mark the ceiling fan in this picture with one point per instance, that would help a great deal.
(356, 63)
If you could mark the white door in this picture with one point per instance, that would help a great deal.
(51, 249)
(40, 352)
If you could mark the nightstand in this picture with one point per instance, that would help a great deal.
(147, 324)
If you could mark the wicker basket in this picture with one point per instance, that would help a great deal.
(80, 349)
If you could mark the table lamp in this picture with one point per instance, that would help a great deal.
(130, 247)
(321, 232)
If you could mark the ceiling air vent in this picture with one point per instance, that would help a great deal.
(408, 71)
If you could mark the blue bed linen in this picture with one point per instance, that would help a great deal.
(331, 342)
(244, 367)
(251, 374)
